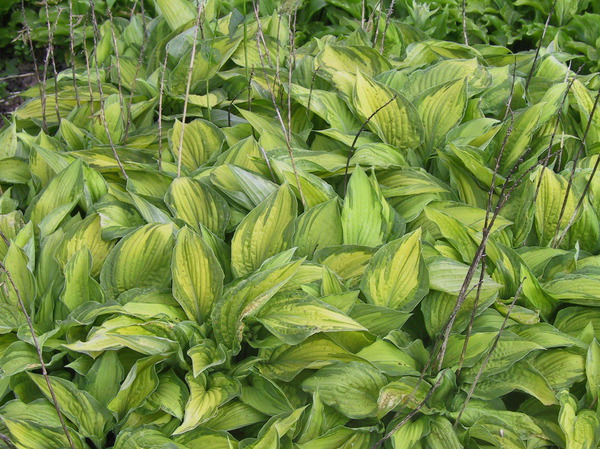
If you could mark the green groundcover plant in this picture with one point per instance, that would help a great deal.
(309, 225)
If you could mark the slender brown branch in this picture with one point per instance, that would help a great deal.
(464, 22)
(488, 226)
(261, 38)
(388, 18)
(489, 354)
(188, 85)
(557, 241)
(101, 92)
(72, 46)
(539, 46)
(361, 129)
(39, 353)
(41, 86)
(160, 110)
(6, 440)
(412, 413)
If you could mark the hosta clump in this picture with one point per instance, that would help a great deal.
(281, 249)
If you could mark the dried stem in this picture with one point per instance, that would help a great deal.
(160, 110)
(6, 440)
(40, 356)
(464, 22)
(261, 38)
(138, 67)
(72, 45)
(100, 90)
(412, 413)
(362, 128)
(537, 50)
(188, 85)
(115, 44)
(388, 18)
(41, 86)
(50, 57)
(556, 241)
(489, 223)
(489, 354)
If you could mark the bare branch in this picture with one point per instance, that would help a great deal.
(537, 50)
(40, 355)
(558, 240)
(96, 33)
(489, 354)
(361, 129)
(41, 86)
(261, 38)
(412, 413)
(189, 84)
(160, 110)
(464, 22)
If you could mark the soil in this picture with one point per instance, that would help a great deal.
(9, 95)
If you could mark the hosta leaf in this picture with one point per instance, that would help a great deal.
(141, 382)
(328, 106)
(92, 418)
(197, 275)
(65, 189)
(315, 352)
(581, 428)
(592, 369)
(339, 64)
(275, 430)
(202, 142)
(314, 189)
(243, 187)
(197, 204)
(442, 435)
(318, 227)
(352, 388)
(398, 123)
(406, 392)
(265, 396)
(521, 376)
(294, 316)
(80, 287)
(145, 437)
(367, 218)
(141, 259)
(205, 355)
(264, 232)
(409, 435)
(347, 261)
(176, 13)
(234, 415)
(207, 393)
(342, 438)
(561, 367)
(31, 435)
(549, 203)
(245, 299)
(397, 276)
(86, 233)
(104, 377)
(447, 275)
(441, 108)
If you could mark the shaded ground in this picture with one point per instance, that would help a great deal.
(11, 86)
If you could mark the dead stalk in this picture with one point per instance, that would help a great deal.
(260, 38)
(489, 354)
(39, 353)
(362, 128)
(188, 85)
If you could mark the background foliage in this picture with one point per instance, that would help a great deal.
(304, 225)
